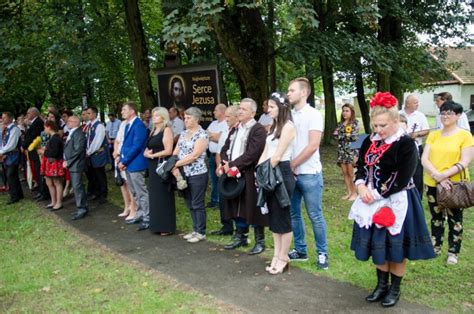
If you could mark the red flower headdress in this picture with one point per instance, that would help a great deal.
(383, 99)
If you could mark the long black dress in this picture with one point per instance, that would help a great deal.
(161, 193)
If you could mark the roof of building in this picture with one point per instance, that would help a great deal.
(464, 57)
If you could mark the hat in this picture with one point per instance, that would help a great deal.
(230, 187)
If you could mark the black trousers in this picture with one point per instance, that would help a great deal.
(418, 175)
(16, 192)
(99, 182)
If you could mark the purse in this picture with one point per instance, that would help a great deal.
(461, 195)
(119, 180)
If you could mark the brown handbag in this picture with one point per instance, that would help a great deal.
(461, 195)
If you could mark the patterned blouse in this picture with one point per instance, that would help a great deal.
(186, 147)
(345, 135)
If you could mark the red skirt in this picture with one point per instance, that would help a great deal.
(52, 168)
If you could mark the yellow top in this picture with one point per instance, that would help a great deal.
(445, 151)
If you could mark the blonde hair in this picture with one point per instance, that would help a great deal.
(162, 112)
(392, 112)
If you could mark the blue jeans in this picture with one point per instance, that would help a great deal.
(214, 179)
(310, 188)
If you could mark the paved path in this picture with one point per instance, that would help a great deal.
(230, 276)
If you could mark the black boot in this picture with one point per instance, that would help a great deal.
(239, 239)
(259, 241)
(381, 289)
(393, 293)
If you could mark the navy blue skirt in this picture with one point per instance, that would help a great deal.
(413, 242)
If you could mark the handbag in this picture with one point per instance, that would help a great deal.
(119, 180)
(461, 195)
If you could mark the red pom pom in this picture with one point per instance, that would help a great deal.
(234, 172)
(384, 217)
(386, 100)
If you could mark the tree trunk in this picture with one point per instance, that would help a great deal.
(330, 121)
(271, 51)
(236, 32)
(141, 66)
(363, 106)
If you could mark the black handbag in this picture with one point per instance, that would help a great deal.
(164, 169)
(461, 195)
(119, 180)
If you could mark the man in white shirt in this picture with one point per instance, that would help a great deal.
(265, 119)
(463, 121)
(177, 125)
(97, 156)
(232, 120)
(10, 154)
(214, 131)
(417, 128)
(306, 166)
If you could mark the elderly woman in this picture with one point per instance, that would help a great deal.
(191, 151)
(161, 196)
(389, 223)
(446, 152)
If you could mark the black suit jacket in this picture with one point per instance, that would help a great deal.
(33, 132)
(75, 151)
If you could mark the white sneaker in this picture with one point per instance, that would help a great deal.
(189, 235)
(452, 259)
(197, 237)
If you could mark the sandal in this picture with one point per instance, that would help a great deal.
(272, 264)
(125, 213)
(280, 267)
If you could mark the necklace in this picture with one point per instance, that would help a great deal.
(374, 153)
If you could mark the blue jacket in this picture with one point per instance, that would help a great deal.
(134, 143)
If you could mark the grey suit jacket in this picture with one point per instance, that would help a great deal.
(75, 151)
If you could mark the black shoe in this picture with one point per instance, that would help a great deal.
(212, 205)
(79, 215)
(52, 209)
(259, 241)
(143, 226)
(92, 198)
(239, 239)
(393, 294)
(9, 202)
(102, 201)
(134, 221)
(37, 196)
(382, 287)
(221, 232)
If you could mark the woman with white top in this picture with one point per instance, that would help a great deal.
(279, 148)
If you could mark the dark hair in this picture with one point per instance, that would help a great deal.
(284, 113)
(132, 105)
(93, 109)
(173, 81)
(111, 114)
(51, 124)
(68, 112)
(445, 96)
(353, 114)
(451, 106)
(57, 118)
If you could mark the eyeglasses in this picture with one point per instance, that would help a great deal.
(447, 113)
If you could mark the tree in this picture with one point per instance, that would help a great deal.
(139, 53)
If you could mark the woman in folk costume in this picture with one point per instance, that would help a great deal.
(389, 222)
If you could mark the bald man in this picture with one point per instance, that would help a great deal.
(215, 129)
(75, 161)
(417, 128)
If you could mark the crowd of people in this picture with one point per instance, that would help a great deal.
(259, 173)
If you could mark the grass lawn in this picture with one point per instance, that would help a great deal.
(47, 267)
(426, 282)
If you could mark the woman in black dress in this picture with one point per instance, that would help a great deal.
(161, 193)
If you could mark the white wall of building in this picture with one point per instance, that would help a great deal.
(461, 94)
